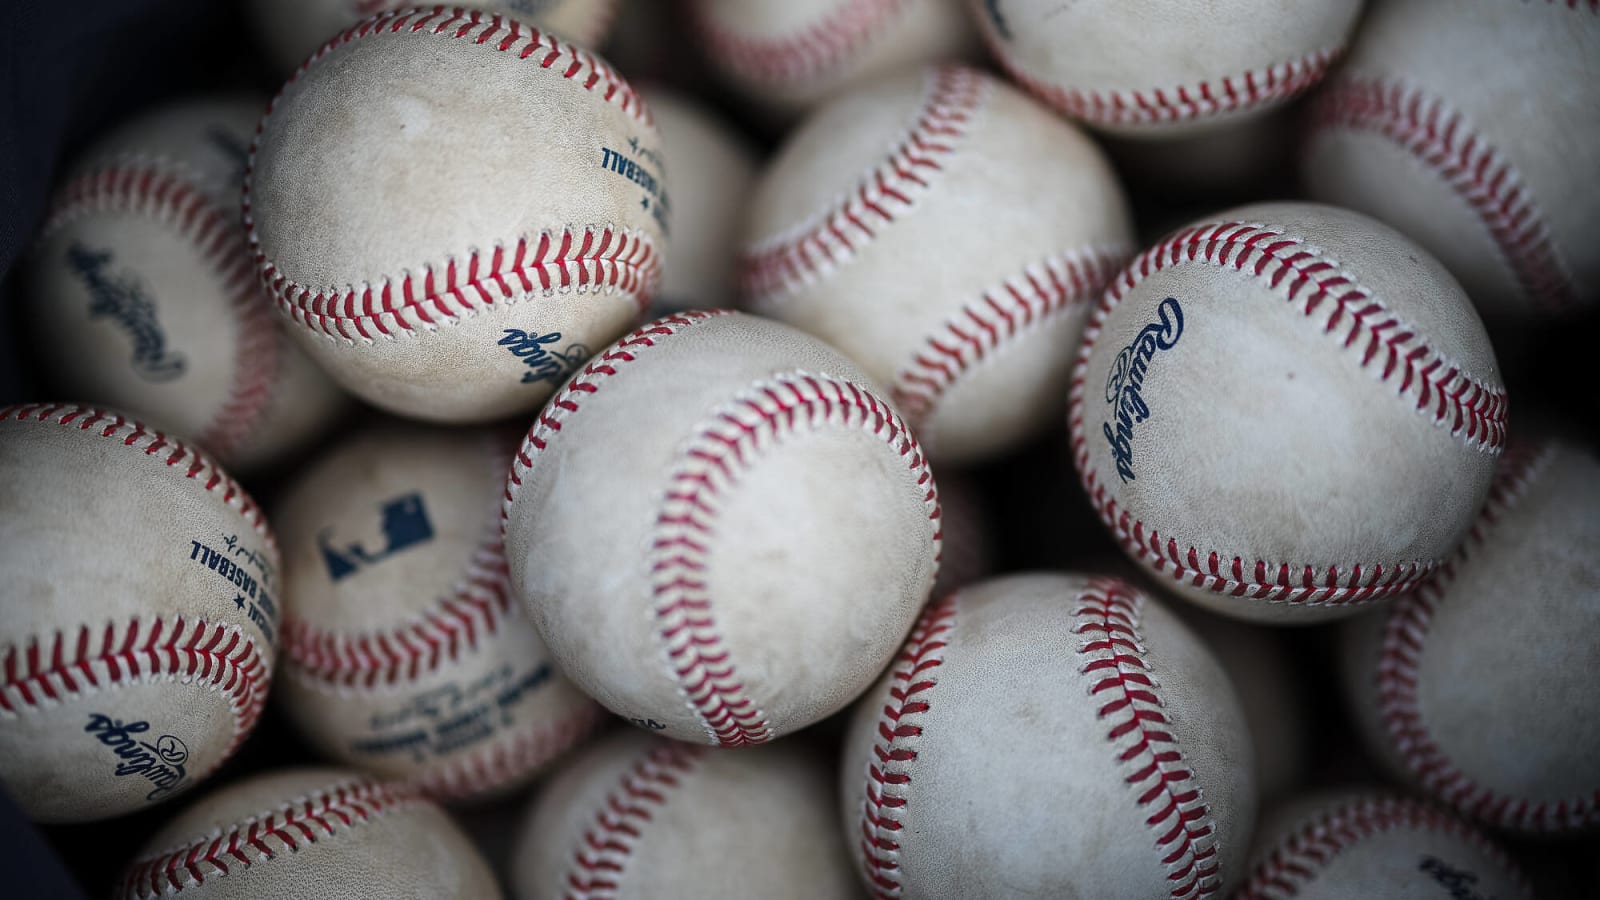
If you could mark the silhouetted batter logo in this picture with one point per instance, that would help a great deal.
(405, 524)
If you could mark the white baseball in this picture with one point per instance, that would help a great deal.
(949, 235)
(639, 817)
(1049, 735)
(1287, 412)
(140, 604)
(1367, 844)
(1166, 69)
(793, 54)
(291, 30)
(454, 209)
(141, 292)
(1490, 167)
(404, 652)
(713, 167)
(1478, 686)
(310, 834)
(722, 531)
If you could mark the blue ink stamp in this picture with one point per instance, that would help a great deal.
(124, 302)
(405, 524)
(1125, 381)
(161, 763)
(544, 362)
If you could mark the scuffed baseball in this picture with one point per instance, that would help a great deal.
(1367, 844)
(1049, 735)
(639, 817)
(141, 293)
(791, 55)
(140, 604)
(1474, 128)
(404, 653)
(950, 236)
(291, 30)
(1477, 687)
(1286, 412)
(1159, 70)
(310, 834)
(712, 167)
(722, 531)
(453, 210)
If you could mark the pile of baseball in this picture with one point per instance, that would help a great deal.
(627, 512)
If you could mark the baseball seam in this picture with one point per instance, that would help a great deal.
(263, 837)
(710, 468)
(506, 761)
(605, 257)
(1251, 89)
(813, 50)
(601, 858)
(156, 189)
(600, 22)
(1000, 315)
(1405, 638)
(1392, 350)
(888, 776)
(1109, 616)
(1445, 141)
(1296, 860)
(779, 266)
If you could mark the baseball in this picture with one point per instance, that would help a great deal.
(723, 532)
(1287, 411)
(1161, 70)
(641, 817)
(310, 834)
(141, 293)
(291, 30)
(713, 168)
(1477, 687)
(1049, 735)
(898, 224)
(791, 55)
(1489, 167)
(403, 651)
(454, 209)
(140, 613)
(1372, 844)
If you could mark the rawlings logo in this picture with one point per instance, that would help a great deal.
(1458, 883)
(1125, 382)
(125, 302)
(545, 364)
(991, 8)
(161, 763)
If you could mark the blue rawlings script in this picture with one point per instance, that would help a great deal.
(545, 362)
(160, 763)
(1125, 382)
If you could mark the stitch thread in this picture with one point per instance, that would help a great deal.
(998, 316)
(686, 526)
(1394, 351)
(1295, 862)
(1405, 637)
(817, 48)
(150, 188)
(171, 452)
(266, 836)
(1252, 89)
(601, 20)
(595, 257)
(790, 261)
(1444, 140)
(1108, 615)
(888, 784)
(603, 853)
(497, 765)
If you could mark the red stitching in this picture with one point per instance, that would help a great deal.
(1109, 614)
(601, 21)
(800, 56)
(888, 775)
(173, 453)
(1184, 103)
(606, 847)
(1404, 638)
(265, 836)
(1444, 140)
(803, 254)
(149, 188)
(999, 315)
(495, 766)
(1295, 861)
(1395, 351)
(594, 258)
